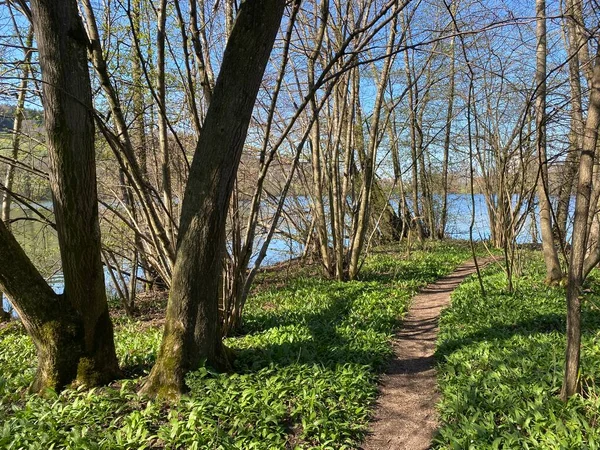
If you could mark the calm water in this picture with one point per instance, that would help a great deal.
(40, 242)
(459, 219)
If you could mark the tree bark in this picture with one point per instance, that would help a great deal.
(124, 151)
(369, 166)
(414, 145)
(163, 138)
(571, 382)
(315, 140)
(441, 232)
(565, 188)
(137, 96)
(69, 121)
(49, 319)
(553, 271)
(192, 326)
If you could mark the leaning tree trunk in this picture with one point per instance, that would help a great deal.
(192, 326)
(571, 383)
(69, 121)
(53, 325)
(553, 271)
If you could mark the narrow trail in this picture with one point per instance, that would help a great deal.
(405, 417)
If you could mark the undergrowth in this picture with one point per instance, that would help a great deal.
(501, 365)
(305, 373)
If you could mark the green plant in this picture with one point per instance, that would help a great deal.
(305, 373)
(501, 363)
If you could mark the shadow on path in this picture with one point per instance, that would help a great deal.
(405, 414)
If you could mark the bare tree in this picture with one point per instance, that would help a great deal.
(17, 129)
(192, 325)
(553, 271)
(571, 382)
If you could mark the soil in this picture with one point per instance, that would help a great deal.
(405, 414)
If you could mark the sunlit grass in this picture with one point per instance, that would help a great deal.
(501, 365)
(305, 375)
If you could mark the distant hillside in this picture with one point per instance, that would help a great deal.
(6, 123)
(7, 116)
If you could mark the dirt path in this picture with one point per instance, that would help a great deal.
(405, 416)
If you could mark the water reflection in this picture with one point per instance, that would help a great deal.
(41, 245)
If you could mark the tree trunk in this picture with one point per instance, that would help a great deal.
(163, 142)
(403, 214)
(553, 271)
(52, 323)
(124, 151)
(16, 137)
(369, 165)
(412, 104)
(192, 325)
(565, 188)
(571, 380)
(441, 232)
(69, 121)
(202, 66)
(137, 96)
(315, 140)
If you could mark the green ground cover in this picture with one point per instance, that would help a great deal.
(305, 374)
(501, 366)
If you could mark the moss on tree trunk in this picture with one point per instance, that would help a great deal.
(192, 331)
(72, 333)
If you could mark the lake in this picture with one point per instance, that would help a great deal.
(41, 245)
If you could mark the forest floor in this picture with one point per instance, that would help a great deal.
(405, 416)
(500, 363)
(312, 356)
(306, 372)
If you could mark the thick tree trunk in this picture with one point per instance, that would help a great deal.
(192, 326)
(51, 322)
(69, 121)
(571, 383)
(553, 271)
